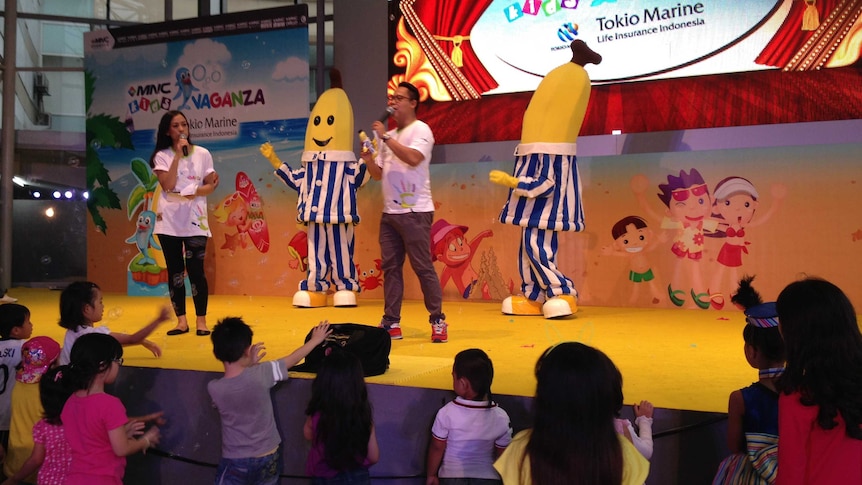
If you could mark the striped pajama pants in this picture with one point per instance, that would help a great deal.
(537, 263)
(330, 258)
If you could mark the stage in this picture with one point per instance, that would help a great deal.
(677, 358)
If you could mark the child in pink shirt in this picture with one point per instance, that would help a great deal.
(51, 454)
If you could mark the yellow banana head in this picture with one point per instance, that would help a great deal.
(330, 125)
(557, 109)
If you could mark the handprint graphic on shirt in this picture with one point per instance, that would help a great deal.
(406, 192)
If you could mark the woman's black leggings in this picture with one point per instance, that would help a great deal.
(186, 254)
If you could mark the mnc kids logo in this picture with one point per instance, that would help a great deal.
(160, 96)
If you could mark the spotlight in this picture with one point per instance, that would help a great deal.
(68, 194)
(85, 195)
(49, 212)
(57, 194)
(36, 194)
(19, 181)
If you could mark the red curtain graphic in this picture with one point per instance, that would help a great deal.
(790, 37)
(449, 19)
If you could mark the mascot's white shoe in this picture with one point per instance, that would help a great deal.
(344, 298)
(521, 305)
(560, 306)
(309, 299)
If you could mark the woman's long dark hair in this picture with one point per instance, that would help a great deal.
(91, 354)
(339, 395)
(824, 352)
(573, 441)
(163, 139)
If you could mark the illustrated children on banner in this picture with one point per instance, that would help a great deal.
(632, 238)
(326, 181)
(689, 207)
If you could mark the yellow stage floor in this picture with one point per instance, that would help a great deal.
(678, 359)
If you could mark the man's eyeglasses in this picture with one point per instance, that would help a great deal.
(680, 195)
(398, 98)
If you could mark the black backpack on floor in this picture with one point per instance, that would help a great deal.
(370, 344)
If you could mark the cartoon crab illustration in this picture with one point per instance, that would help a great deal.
(372, 278)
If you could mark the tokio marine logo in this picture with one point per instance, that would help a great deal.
(568, 32)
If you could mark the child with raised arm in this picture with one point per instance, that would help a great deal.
(51, 454)
(470, 432)
(820, 401)
(752, 412)
(81, 307)
(339, 423)
(250, 441)
(573, 440)
(642, 436)
(95, 423)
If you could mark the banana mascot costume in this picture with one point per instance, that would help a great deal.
(326, 183)
(545, 188)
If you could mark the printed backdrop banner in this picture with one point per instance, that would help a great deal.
(241, 80)
(667, 64)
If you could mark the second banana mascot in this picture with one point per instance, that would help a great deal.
(326, 182)
(545, 187)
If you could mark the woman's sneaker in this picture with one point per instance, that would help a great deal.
(439, 335)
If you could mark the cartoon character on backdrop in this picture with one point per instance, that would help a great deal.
(326, 182)
(371, 278)
(143, 236)
(736, 200)
(185, 88)
(298, 249)
(545, 190)
(632, 238)
(148, 266)
(689, 206)
(449, 246)
(243, 209)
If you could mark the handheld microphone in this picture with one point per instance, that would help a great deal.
(185, 147)
(385, 116)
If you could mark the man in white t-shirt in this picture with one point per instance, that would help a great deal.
(402, 164)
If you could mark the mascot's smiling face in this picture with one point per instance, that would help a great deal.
(330, 125)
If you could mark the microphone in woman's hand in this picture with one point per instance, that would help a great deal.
(185, 147)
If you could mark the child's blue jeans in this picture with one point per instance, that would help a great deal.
(264, 470)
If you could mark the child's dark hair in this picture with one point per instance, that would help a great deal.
(340, 397)
(766, 340)
(475, 366)
(231, 337)
(72, 301)
(12, 315)
(573, 441)
(91, 354)
(54, 391)
(824, 352)
(746, 296)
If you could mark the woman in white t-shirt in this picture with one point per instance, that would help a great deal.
(186, 174)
